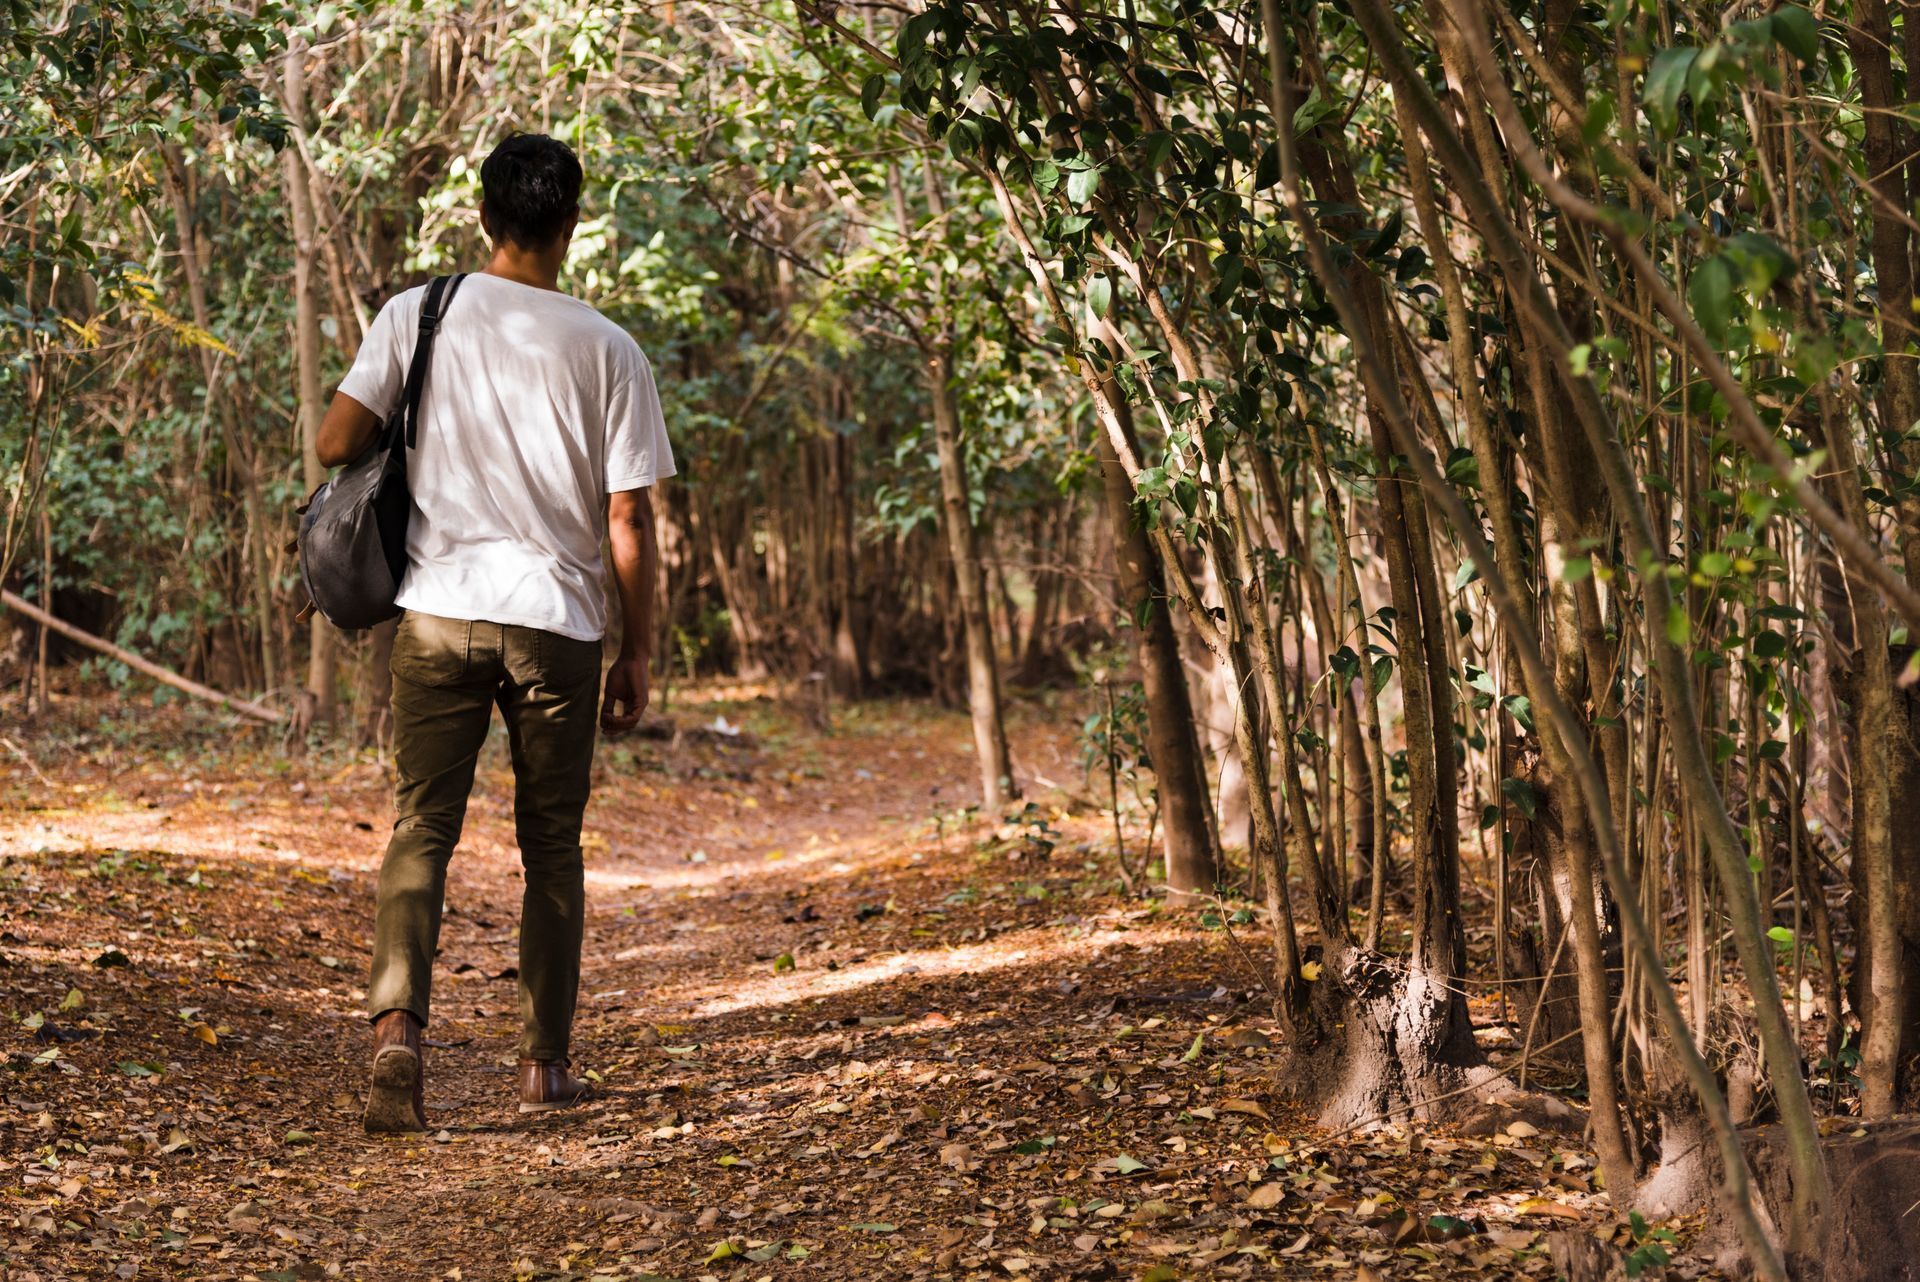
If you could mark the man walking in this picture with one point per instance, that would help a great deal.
(540, 431)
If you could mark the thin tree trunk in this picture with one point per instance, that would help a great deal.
(321, 638)
(1180, 777)
(997, 785)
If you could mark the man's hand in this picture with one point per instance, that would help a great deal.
(628, 683)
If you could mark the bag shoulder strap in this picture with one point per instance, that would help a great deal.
(432, 311)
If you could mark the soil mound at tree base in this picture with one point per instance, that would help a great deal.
(1872, 1228)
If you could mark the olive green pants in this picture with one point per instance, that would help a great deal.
(448, 674)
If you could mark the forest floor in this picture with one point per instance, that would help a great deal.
(841, 1031)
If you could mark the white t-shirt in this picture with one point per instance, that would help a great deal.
(536, 407)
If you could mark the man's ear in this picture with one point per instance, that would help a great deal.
(573, 221)
(485, 227)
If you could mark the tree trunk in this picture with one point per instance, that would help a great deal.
(997, 785)
(321, 652)
(239, 453)
(1181, 779)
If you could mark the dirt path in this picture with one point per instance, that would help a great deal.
(836, 1038)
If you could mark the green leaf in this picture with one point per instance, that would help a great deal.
(1082, 183)
(875, 1228)
(1193, 1051)
(1710, 294)
(963, 139)
(1797, 32)
(1157, 145)
(1666, 81)
(1520, 708)
(1524, 796)
(1311, 112)
(1762, 260)
(1679, 627)
(871, 92)
(1267, 172)
(784, 962)
(1128, 1165)
(1100, 295)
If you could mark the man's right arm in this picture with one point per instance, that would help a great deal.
(367, 394)
(346, 430)
(635, 564)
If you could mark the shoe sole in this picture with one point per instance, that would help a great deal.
(390, 1099)
(555, 1105)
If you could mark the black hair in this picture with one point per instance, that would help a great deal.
(530, 186)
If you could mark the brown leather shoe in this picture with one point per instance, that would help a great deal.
(395, 1101)
(545, 1084)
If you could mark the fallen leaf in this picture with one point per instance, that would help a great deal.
(1541, 1206)
(1266, 1197)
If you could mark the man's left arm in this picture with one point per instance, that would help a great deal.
(635, 567)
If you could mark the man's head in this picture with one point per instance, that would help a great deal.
(530, 191)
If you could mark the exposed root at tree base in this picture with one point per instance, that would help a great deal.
(1387, 1044)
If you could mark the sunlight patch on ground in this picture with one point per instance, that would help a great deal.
(1026, 947)
(741, 863)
